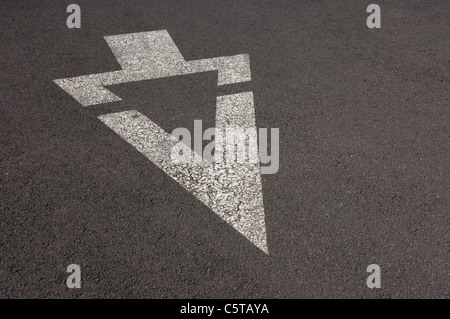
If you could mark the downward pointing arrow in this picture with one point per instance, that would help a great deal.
(231, 190)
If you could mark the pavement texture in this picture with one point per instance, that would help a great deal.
(364, 152)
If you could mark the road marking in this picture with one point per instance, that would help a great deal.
(145, 56)
(231, 190)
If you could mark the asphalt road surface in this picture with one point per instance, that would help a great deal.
(363, 116)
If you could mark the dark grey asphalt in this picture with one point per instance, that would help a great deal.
(364, 154)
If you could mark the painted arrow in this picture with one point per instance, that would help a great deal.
(231, 190)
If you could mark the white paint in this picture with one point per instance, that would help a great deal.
(149, 55)
(231, 190)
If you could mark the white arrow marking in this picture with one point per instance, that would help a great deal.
(231, 190)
